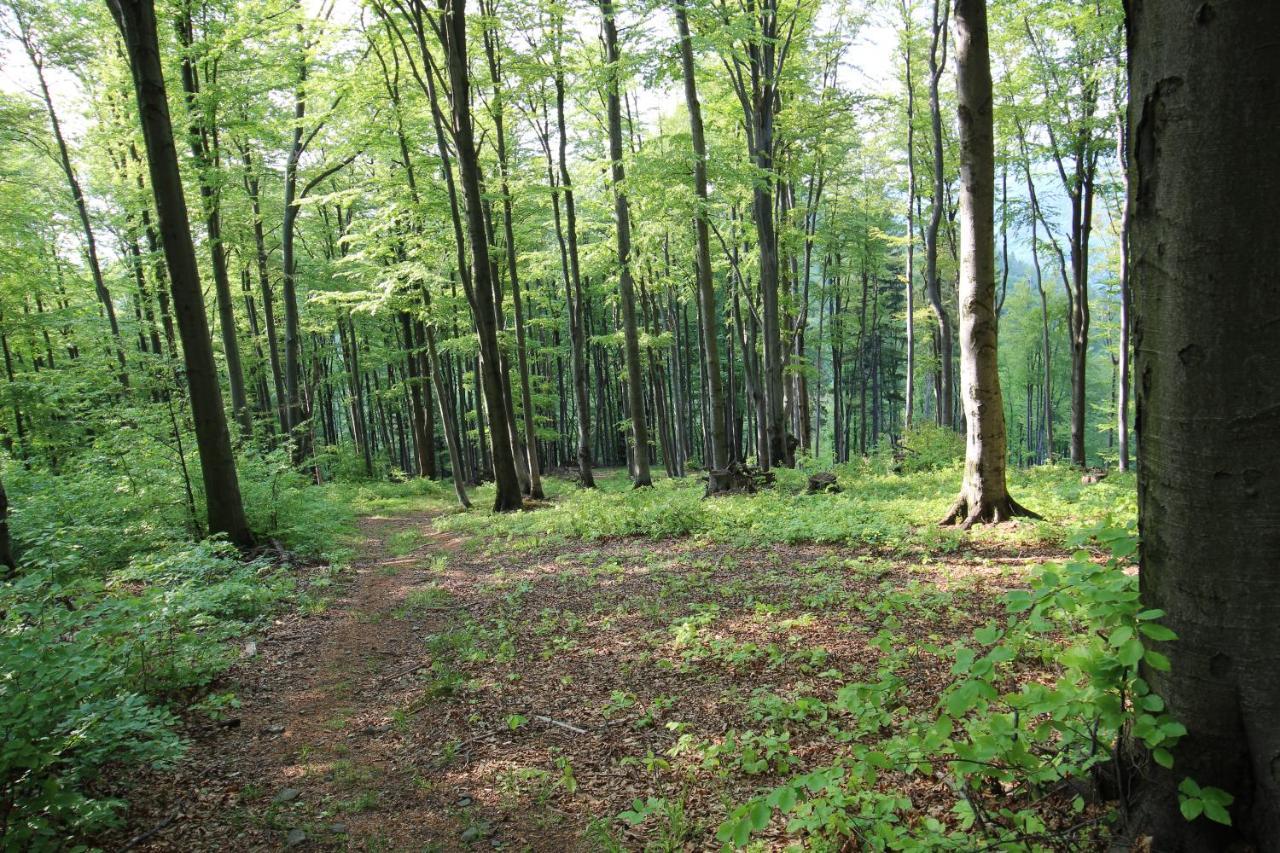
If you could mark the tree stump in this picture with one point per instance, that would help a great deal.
(823, 483)
(737, 478)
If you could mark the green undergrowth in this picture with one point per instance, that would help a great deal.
(875, 509)
(1030, 761)
(120, 616)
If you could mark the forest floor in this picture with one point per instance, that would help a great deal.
(471, 690)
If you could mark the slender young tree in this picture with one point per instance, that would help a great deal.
(27, 37)
(136, 20)
(945, 386)
(984, 494)
(622, 216)
(1206, 301)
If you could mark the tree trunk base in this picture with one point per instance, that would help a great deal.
(984, 512)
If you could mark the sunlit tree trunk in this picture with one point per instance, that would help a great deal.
(984, 495)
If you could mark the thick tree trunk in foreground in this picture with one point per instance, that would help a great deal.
(984, 496)
(717, 456)
(137, 22)
(626, 292)
(1206, 294)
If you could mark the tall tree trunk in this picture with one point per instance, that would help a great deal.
(494, 57)
(453, 35)
(203, 138)
(933, 279)
(909, 402)
(1203, 202)
(718, 456)
(137, 22)
(622, 213)
(984, 495)
(293, 406)
(1126, 308)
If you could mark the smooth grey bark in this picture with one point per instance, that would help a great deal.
(137, 22)
(984, 494)
(622, 215)
(1206, 290)
(718, 455)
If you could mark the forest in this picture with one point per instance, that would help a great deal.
(665, 426)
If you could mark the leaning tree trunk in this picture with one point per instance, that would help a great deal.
(137, 22)
(984, 496)
(1204, 267)
(626, 292)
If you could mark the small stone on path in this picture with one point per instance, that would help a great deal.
(288, 795)
(294, 838)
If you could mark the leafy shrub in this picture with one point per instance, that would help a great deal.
(85, 665)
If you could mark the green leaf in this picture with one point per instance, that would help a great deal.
(1191, 808)
(1216, 813)
(1155, 660)
(1120, 636)
(1157, 632)
(1131, 652)
(1162, 757)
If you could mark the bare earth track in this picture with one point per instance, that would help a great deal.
(464, 695)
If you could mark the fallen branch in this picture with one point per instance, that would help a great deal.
(552, 722)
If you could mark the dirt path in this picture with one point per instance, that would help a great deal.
(320, 753)
(521, 694)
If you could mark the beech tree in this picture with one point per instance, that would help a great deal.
(622, 225)
(984, 494)
(1202, 79)
(136, 20)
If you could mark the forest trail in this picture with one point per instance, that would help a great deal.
(483, 692)
(318, 753)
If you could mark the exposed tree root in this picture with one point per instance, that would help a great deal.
(984, 512)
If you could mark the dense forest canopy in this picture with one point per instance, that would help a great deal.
(327, 201)
(838, 272)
